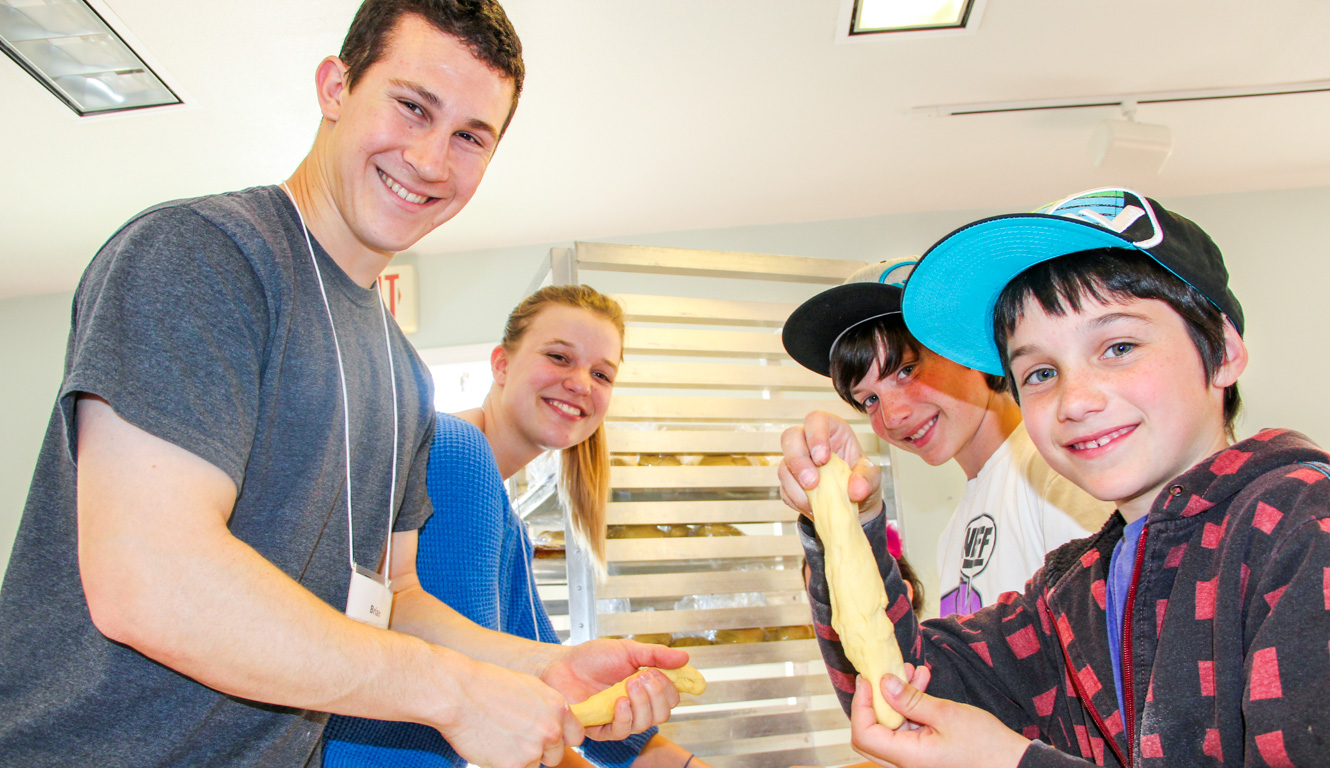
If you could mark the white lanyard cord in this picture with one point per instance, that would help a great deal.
(346, 402)
(392, 384)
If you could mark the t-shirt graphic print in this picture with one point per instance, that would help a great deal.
(980, 542)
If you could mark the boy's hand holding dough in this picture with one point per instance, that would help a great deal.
(599, 708)
(858, 599)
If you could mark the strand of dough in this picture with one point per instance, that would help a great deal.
(598, 709)
(858, 599)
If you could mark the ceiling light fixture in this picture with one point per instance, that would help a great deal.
(1128, 146)
(867, 19)
(68, 47)
(1125, 145)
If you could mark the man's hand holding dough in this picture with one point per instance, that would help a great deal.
(599, 708)
(858, 599)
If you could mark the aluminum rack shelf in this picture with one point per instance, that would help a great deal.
(702, 553)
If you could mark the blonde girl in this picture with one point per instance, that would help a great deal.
(554, 372)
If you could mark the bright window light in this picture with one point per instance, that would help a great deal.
(872, 16)
(69, 49)
(461, 385)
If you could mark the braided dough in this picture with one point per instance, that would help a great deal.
(858, 599)
(599, 708)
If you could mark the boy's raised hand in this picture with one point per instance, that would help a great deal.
(938, 733)
(808, 447)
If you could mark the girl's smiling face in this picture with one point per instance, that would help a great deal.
(555, 386)
(1115, 396)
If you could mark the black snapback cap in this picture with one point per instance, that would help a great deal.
(812, 330)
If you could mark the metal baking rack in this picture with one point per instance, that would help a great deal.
(705, 554)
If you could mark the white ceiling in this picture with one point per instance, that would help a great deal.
(658, 115)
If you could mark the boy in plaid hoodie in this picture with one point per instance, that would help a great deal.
(1194, 628)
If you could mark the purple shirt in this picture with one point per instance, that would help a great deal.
(1120, 571)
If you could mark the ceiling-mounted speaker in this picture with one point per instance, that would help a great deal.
(1129, 145)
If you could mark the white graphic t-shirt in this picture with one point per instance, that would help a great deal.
(1012, 513)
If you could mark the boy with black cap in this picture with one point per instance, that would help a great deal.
(1014, 509)
(1194, 629)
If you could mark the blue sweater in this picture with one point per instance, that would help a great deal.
(473, 555)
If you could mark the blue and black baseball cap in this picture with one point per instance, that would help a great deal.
(949, 301)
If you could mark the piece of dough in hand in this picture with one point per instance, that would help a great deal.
(598, 709)
(858, 599)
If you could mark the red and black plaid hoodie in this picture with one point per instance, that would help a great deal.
(1227, 653)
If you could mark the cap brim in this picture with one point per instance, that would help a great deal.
(812, 329)
(950, 297)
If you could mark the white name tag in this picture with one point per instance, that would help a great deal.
(370, 599)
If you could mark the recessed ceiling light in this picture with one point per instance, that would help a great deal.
(872, 17)
(74, 53)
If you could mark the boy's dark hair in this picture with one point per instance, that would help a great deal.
(885, 341)
(1060, 286)
(481, 25)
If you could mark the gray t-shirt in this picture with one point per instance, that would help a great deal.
(201, 322)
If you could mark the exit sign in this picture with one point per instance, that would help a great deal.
(401, 295)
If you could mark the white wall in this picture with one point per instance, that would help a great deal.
(32, 345)
(1278, 256)
(1273, 243)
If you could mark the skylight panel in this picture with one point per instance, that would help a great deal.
(68, 48)
(873, 17)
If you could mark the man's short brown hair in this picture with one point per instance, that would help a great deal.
(480, 25)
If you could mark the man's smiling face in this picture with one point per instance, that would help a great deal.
(412, 139)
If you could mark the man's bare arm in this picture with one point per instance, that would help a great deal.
(163, 574)
(575, 671)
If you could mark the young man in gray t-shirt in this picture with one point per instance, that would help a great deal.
(240, 425)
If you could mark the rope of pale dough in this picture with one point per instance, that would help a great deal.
(858, 599)
(598, 709)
